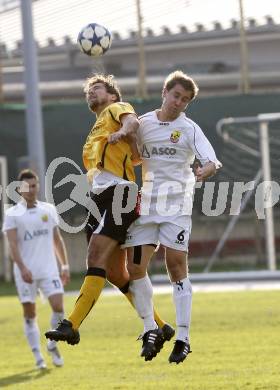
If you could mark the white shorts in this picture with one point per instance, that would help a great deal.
(166, 233)
(28, 292)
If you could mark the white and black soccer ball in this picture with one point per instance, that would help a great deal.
(94, 40)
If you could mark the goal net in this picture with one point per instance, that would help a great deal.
(251, 158)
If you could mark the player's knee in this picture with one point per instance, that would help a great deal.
(118, 279)
(136, 265)
(95, 257)
(136, 271)
(29, 310)
(177, 269)
(56, 302)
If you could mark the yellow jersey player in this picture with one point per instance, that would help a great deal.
(108, 154)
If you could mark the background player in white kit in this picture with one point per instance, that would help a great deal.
(169, 143)
(35, 241)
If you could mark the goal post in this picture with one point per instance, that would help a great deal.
(262, 151)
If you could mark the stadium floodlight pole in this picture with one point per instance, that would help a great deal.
(142, 83)
(1, 79)
(245, 83)
(269, 223)
(34, 122)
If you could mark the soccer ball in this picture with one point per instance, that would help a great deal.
(94, 40)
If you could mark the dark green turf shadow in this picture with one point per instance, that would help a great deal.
(22, 377)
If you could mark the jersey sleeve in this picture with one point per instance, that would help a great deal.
(9, 222)
(54, 215)
(201, 147)
(119, 109)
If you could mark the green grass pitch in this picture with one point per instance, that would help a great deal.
(235, 338)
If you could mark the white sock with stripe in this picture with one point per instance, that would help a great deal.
(182, 297)
(32, 334)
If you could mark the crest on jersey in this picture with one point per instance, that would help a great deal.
(45, 218)
(175, 135)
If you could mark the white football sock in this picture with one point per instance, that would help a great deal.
(142, 293)
(182, 297)
(55, 318)
(32, 334)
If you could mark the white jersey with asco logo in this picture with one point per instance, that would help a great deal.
(35, 237)
(168, 149)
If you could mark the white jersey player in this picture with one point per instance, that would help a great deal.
(34, 238)
(168, 143)
(167, 150)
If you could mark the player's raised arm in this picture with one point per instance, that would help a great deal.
(135, 157)
(129, 126)
(204, 152)
(135, 154)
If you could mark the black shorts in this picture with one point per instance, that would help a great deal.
(105, 212)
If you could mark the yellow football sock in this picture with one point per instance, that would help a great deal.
(157, 318)
(89, 293)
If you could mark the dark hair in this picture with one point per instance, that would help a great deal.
(108, 81)
(27, 174)
(179, 77)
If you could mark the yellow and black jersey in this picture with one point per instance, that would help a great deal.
(98, 153)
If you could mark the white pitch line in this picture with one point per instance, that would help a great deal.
(205, 287)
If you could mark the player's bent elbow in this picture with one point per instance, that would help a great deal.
(133, 124)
